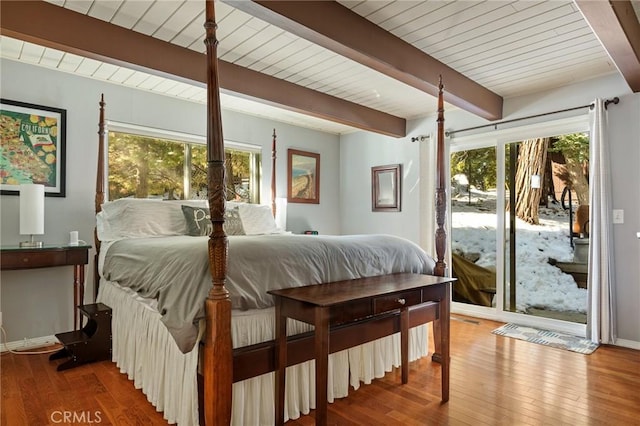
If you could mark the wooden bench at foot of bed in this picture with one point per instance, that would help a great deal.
(355, 327)
(351, 312)
(260, 358)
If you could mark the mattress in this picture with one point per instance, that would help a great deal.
(174, 270)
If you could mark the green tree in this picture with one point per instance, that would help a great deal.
(478, 165)
(238, 174)
(199, 179)
(142, 167)
(575, 149)
(574, 146)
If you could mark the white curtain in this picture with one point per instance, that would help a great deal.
(601, 326)
(427, 152)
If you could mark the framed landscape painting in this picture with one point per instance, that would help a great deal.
(303, 177)
(32, 147)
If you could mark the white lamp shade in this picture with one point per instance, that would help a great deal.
(31, 209)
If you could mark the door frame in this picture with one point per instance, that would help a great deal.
(499, 139)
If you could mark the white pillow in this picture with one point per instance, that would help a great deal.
(257, 219)
(140, 217)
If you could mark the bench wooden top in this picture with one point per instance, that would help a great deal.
(338, 292)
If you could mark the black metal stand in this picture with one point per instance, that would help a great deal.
(92, 343)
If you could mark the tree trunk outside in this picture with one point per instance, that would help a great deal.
(532, 159)
(578, 181)
(548, 189)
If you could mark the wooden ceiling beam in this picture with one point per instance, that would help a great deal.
(337, 28)
(616, 25)
(52, 26)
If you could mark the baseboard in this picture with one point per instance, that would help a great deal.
(631, 344)
(34, 343)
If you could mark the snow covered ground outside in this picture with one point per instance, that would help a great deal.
(539, 284)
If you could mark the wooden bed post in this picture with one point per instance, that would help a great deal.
(441, 208)
(218, 355)
(273, 174)
(99, 200)
(441, 194)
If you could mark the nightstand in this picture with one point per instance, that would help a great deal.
(14, 257)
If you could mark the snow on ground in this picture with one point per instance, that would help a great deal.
(539, 284)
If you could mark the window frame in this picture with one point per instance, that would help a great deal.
(189, 140)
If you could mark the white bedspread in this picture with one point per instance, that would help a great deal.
(175, 271)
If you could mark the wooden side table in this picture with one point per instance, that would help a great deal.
(14, 257)
(350, 302)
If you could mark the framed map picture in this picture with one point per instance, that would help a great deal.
(303, 177)
(32, 147)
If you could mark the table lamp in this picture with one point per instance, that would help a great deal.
(31, 213)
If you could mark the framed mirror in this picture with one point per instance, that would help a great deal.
(386, 188)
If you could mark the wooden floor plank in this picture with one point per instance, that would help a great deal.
(495, 380)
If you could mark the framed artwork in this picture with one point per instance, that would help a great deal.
(32, 147)
(386, 189)
(303, 177)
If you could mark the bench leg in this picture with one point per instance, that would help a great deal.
(281, 361)
(437, 339)
(404, 344)
(445, 323)
(322, 363)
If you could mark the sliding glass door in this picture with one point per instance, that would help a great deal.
(546, 227)
(474, 223)
(519, 228)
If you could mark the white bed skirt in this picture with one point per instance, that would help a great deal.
(145, 351)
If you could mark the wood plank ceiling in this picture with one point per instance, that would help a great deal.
(511, 48)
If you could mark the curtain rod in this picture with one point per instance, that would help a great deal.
(495, 125)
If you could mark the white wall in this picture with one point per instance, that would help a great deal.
(325, 217)
(624, 133)
(361, 150)
(39, 302)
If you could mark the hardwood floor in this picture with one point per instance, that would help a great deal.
(494, 381)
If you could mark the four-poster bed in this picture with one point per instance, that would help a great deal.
(225, 367)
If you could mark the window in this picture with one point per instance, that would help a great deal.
(149, 166)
